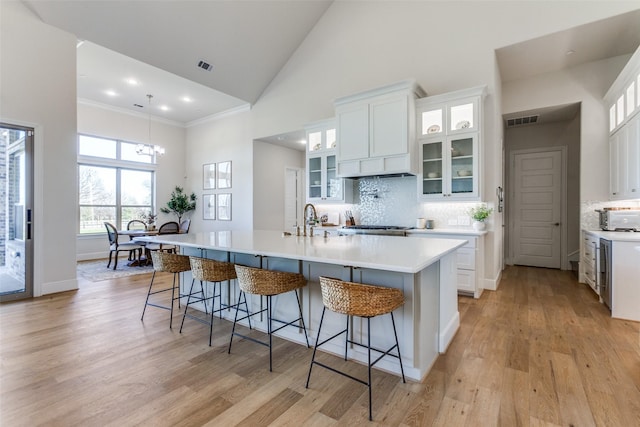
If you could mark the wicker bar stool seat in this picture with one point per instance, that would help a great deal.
(360, 300)
(268, 283)
(208, 270)
(167, 263)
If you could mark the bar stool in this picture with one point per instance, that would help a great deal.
(168, 263)
(357, 299)
(267, 283)
(208, 270)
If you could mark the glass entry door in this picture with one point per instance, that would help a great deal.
(16, 196)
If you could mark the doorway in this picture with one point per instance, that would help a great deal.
(16, 194)
(293, 197)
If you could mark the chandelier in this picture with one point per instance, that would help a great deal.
(149, 149)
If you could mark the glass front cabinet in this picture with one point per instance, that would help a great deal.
(323, 185)
(449, 135)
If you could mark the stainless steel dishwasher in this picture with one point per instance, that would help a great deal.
(605, 271)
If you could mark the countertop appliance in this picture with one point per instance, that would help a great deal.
(384, 230)
(605, 271)
(619, 219)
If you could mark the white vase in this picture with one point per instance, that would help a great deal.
(479, 225)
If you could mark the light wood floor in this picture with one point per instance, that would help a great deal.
(539, 351)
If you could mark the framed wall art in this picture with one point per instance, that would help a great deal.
(224, 174)
(224, 206)
(208, 206)
(209, 176)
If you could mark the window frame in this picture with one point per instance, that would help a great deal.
(119, 166)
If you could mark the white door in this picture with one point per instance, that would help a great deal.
(537, 209)
(293, 198)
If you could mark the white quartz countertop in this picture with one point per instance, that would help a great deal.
(389, 253)
(460, 231)
(616, 236)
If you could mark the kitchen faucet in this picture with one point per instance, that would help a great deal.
(311, 220)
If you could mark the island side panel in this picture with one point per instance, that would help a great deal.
(449, 314)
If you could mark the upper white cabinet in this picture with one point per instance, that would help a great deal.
(376, 131)
(623, 103)
(323, 184)
(449, 135)
(624, 161)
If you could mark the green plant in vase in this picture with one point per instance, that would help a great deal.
(479, 214)
(180, 203)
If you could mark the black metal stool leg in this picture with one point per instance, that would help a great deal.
(346, 341)
(315, 348)
(186, 307)
(393, 322)
(269, 332)
(369, 365)
(235, 320)
(148, 294)
(304, 328)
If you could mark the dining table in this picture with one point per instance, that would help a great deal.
(146, 258)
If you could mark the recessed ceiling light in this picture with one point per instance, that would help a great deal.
(303, 141)
(164, 108)
(187, 99)
(131, 81)
(111, 92)
(570, 52)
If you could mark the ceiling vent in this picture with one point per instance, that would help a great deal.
(205, 65)
(519, 121)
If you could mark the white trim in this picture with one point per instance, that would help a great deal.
(493, 284)
(62, 286)
(146, 116)
(448, 332)
(240, 109)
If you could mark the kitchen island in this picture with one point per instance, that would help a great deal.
(424, 269)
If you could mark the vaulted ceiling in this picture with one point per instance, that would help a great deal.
(160, 43)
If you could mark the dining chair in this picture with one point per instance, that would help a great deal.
(131, 247)
(135, 224)
(170, 227)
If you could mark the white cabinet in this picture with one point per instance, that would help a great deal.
(376, 131)
(470, 259)
(449, 134)
(323, 184)
(589, 260)
(624, 161)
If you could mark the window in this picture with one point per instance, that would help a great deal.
(631, 100)
(115, 184)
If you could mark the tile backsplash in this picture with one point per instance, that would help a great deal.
(394, 201)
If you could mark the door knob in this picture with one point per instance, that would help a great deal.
(556, 224)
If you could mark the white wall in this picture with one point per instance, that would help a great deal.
(109, 123)
(585, 84)
(269, 166)
(38, 88)
(217, 140)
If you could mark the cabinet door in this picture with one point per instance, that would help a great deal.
(463, 166)
(433, 165)
(633, 158)
(462, 116)
(388, 121)
(314, 178)
(618, 164)
(333, 186)
(353, 132)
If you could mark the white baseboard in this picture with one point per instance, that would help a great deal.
(449, 332)
(492, 284)
(62, 286)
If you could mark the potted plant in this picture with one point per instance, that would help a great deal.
(150, 220)
(479, 214)
(180, 203)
